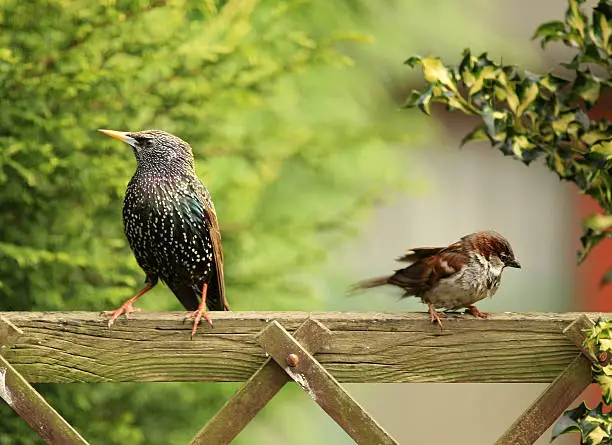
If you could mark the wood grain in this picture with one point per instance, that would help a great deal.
(62, 347)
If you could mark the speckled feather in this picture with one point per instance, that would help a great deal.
(170, 221)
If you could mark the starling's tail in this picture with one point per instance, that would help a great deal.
(186, 295)
(367, 284)
(215, 299)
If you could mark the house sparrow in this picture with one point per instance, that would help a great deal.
(452, 277)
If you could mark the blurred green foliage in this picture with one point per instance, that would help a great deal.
(291, 139)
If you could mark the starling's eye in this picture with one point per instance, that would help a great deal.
(143, 141)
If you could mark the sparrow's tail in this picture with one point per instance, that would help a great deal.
(367, 284)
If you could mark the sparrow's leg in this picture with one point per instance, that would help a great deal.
(475, 312)
(433, 315)
(200, 312)
(127, 308)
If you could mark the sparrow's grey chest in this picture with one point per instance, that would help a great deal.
(478, 279)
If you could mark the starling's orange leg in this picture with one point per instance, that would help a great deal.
(200, 312)
(475, 312)
(434, 316)
(127, 308)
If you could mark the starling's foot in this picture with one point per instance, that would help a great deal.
(126, 308)
(434, 316)
(197, 316)
(475, 312)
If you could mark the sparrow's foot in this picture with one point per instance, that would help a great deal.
(434, 316)
(126, 308)
(197, 316)
(475, 312)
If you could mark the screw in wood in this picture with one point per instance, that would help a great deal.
(293, 360)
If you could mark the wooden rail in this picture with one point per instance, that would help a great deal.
(316, 350)
(63, 347)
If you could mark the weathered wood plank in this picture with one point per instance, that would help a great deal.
(321, 386)
(256, 392)
(60, 347)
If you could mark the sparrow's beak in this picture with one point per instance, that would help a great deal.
(513, 263)
(121, 135)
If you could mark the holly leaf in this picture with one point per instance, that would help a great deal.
(569, 421)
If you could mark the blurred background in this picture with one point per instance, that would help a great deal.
(319, 179)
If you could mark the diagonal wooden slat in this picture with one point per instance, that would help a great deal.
(575, 332)
(322, 387)
(547, 408)
(536, 419)
(265, 383)
(29, 404)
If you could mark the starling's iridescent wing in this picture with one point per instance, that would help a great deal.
(215, 236)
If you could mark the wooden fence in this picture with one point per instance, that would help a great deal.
(317, 350)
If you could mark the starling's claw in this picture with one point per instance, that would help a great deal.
(434, 316)
(197, 316)
(126, 308)
(475, 312)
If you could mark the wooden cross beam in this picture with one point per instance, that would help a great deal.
(265, 383)
(28, 403)
(292, 360)
(547, 408)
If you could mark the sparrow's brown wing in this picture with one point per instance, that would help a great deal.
(426, 271)
(413, 255)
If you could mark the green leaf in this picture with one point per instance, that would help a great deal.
(554, 28)
(605, 382)
(575, 19)
(568, 422)
(527, 97)
(478, 133)
(605, 9)
(598, 222)
(413, 99)
(597, 437)
(607, 278)
(435, 71)
(413, 61)
(552, 82)
(587, 87)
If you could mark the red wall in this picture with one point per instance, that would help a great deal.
(591, 296)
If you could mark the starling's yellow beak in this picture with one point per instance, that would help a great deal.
(121, 135)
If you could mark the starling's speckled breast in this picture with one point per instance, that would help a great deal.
(166, 226)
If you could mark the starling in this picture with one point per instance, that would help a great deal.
(171, 226)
